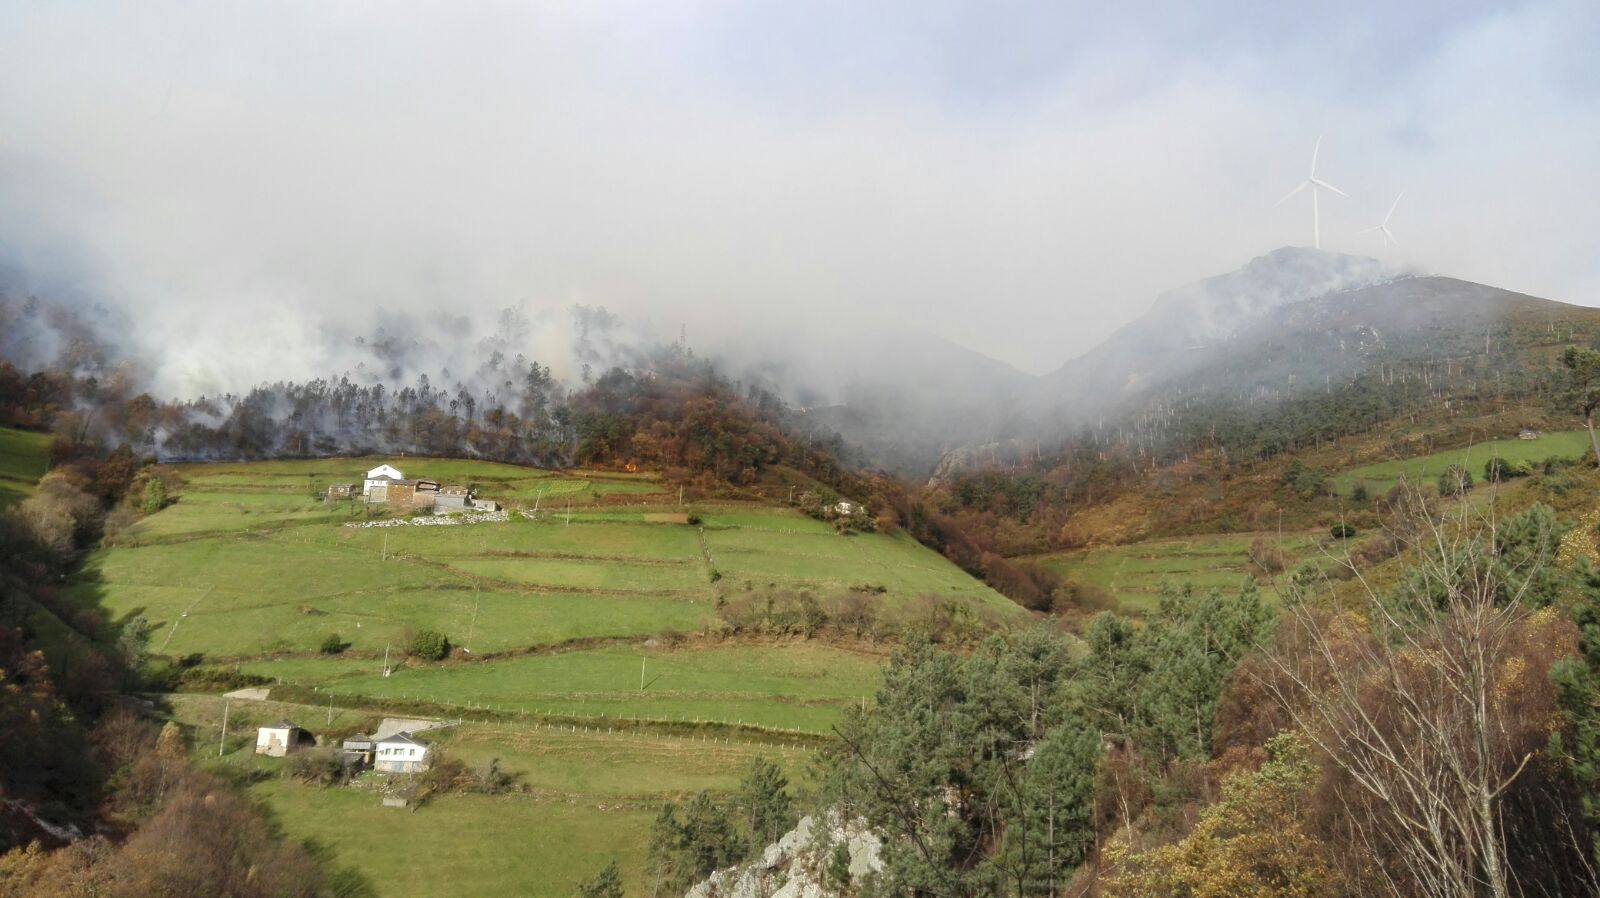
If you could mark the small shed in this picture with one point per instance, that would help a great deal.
(357, 751)
(1528, 434)
(424, 493)
(341, 490)
(449, 502)
(401, 753)
(279, 739)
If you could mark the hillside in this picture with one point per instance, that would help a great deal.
(613, 655)
(246, 567)
(1187, 327)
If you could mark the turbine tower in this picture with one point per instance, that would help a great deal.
(1316, 184)
(1388, 235)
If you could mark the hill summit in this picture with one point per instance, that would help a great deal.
(1184, 324)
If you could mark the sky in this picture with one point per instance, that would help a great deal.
(257, 182)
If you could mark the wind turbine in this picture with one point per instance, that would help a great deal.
(1388, 235)
(1315, 183)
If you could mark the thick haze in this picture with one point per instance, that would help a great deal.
(255, 182)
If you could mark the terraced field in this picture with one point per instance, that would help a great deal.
(785, 686)
(246, 563)
(593, 610)
(1135, 574)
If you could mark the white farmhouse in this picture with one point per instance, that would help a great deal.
(381, 475)
(278, 739)
(401, 753)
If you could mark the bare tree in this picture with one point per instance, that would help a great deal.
(1427, 701)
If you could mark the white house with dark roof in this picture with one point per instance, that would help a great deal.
(400, 753)
(380, 477)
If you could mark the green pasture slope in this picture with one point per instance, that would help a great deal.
(24, 457)
(586, 615)
(1135, 574)
(584, 798)
(1427, 468)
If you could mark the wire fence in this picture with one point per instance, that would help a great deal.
(557, 720)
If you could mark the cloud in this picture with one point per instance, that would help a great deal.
(257, 183)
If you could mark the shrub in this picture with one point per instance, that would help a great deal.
(1380, 547)
(1342, 530)
(319, 766)
(155, 495)
(1498, 469)
(1070, 596)
(430, 644)
(1455, 481)
(1359, 492)
(606, 884)
(490, 779)
(1307, 482)
(693, 519)
(1266, 555)
(333, 645)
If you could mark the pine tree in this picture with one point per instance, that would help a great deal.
(768, 808)
(1577, 683)
(605, 884)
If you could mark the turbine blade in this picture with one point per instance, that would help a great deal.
(1315, 148)
(1393, 205)
(1389, 236)
(1300, 187)
(1326, 186)
(1370, 230)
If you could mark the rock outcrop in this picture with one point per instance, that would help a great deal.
(797, 865)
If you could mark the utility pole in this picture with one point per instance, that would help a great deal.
(386, 659)
(223, 738)
(477, 601)
(330, 710)
(641, 674)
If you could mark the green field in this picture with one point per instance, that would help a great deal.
(24, 457)
(555, 614)
(1427, 468)
(245, 563)
(481, 845)
(1135, 574)
(582, 798)
(801, 686)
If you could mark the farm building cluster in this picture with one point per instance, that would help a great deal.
(385, 485)
(389, 750)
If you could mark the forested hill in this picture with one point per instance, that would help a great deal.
(1312, 371)
(1185, 328)
(1258, 362)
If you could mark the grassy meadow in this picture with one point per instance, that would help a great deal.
(1135, 574)
(1427, 468)
(24, 457)
(558, 615)
(799, 686)
(246, 563)
(582, 798)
